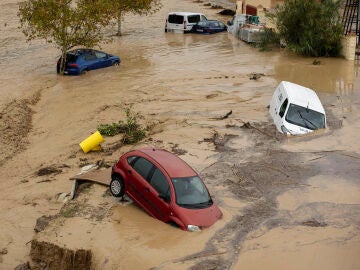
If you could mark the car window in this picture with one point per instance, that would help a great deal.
(203, 18)
(193, 18)
(159, 182)
(100, 54)
(131, 159)
(221, 24)
(216, 24)
(191, 192)
(283, 108)
(70, 58)
(143, 167)
(89, 56)
(201, 23)
(177, 19)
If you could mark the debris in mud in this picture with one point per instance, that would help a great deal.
(3, 251)
(227, 12)
(62, 197)
(255, 76)
(178, 151)
(222, 117)
(218, 140)
(23, 266)
(314, 223)
(316, 62)
(211, 96)
(216, 7)
(52, 169)
(46, 255)
(264, 129)
(246, 125)
(42, 222)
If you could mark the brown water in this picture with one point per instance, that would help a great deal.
(178, 82)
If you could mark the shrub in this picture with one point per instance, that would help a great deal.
(309, 27)
(133, 132)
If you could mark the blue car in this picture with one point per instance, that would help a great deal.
(209, 27)
(80, 61)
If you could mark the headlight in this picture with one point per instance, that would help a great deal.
(193, 228)
(285, 130)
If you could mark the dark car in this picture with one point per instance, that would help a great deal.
(209, 27)
(166, 187)
(80, 61)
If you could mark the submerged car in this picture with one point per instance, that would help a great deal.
(209, 27)
(80, 61)
(182, 22)
(166, 187)
(296, 109)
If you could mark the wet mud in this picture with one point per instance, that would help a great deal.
(288, 202)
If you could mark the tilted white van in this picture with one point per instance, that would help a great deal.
(296, 109)
(182, 22)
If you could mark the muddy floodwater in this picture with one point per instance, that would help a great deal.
(287, 203)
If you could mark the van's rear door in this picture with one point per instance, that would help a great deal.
(175, 22)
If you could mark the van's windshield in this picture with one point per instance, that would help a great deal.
(305, 117)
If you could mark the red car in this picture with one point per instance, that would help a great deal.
(165, 187)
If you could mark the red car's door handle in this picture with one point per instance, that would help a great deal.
(147, 189)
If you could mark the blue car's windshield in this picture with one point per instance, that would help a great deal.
(191, 192)
(305, 117)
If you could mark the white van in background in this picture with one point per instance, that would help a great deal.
(182, 22)
(296, 109)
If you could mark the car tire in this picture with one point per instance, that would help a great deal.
(83, 72)
(117, 187)
(116, 63)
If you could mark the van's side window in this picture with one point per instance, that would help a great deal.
(177, 19)
(283, 108)
(193, 18)
(203, 18)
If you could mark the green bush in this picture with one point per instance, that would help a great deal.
(268, 39)
(132, 130)
(309, 27)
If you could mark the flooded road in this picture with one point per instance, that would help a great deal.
(300, 210)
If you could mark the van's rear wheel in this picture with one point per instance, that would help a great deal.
(117, 187)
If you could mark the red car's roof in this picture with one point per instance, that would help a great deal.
(171, 163)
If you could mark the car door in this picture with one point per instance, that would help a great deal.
(90, 60)
(160, 194)
(137, 186)
(103, 59)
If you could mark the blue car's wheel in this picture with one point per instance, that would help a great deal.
(84, 71)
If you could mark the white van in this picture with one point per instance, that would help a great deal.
(182, 22)
(296, 109)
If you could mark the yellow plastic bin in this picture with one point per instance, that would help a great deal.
(92, 142)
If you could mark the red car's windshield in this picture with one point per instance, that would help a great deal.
(191, 192)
